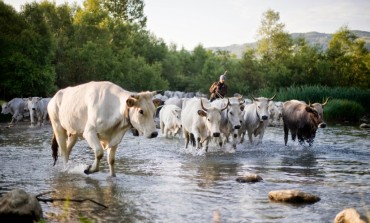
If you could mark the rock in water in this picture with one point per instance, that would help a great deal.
(250, 178)
(18, 206)
(349, 215)
(292, 196)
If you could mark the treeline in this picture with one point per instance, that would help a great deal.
(45, 47)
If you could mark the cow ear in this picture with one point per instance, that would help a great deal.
(157, 102)
(202, 113)
(242, 107)
(30, 98)
(130, 102)
(309, 109)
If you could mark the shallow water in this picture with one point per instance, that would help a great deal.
(160, 181)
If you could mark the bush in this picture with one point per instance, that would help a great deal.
(343, 110)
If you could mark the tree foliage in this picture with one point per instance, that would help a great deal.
(47, 46)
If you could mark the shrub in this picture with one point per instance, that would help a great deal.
(343, 110)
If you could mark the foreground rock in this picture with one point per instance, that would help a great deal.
(18, 206)
(293, 196)
(350, 215)
(250, 178)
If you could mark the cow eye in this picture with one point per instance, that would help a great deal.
(141, 111)
(231, 113)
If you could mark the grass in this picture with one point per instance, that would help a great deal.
(343, 110)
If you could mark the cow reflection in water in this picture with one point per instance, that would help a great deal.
(302, 120)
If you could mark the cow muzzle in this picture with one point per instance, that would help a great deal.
(153, 135)
(237, 127)
(216, 134)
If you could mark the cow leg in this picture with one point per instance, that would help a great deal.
(72, 139)
(161, 126)
(250, 134)
(92, 139)
(166, 131)
(186, 136)
(61, 137)
(286, 131)
(111, 159)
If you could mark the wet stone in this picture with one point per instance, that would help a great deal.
(350, 215)
(19, 206)
(250, 178)
(293, 196)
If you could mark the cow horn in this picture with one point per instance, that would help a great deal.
(253, 98)
(228, 103)
(323, 104)
(201, 103)
(272, 97)
(135, 96)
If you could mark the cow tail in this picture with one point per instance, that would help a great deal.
(54, 149)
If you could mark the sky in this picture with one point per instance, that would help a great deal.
(218, 23)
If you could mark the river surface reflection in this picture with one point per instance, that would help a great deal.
(160, 181)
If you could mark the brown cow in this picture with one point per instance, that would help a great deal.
(302, 120)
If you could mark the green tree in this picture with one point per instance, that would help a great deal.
(348, 57)
(26, 60)
(275, 49)
(126, 11)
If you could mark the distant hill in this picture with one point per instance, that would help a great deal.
(312, 38)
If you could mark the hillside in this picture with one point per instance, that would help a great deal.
(312, 38)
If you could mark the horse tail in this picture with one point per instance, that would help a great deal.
(54, 149)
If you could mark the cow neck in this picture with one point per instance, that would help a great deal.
(127, 116)
(258, 116)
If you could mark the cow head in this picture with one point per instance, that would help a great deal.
(32, 107)
(141, 111)
(235, 113)
(212, 116)
(5, 108)
(316, 111)
(262, 105)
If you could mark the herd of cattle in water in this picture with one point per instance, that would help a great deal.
(102, 112)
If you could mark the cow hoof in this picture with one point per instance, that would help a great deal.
(87, 170)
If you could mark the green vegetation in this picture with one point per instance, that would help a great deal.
(343, 110)
(45, 47)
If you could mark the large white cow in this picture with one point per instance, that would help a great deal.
(231, 118)
(38, 109)
(170, 122)
(200, 121)
(100, 112)
(16, 107)
(256, 118)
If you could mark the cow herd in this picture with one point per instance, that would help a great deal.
(102, 112)
(34, 108)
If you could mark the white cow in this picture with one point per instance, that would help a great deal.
(170, 121)
(256, 118)
(38, 109)
(276, 113)
(200, 121)
(174, 101)
(231, 118)
(16, 107)
(101, 113)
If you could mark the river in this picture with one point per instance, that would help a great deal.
(158, 180)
